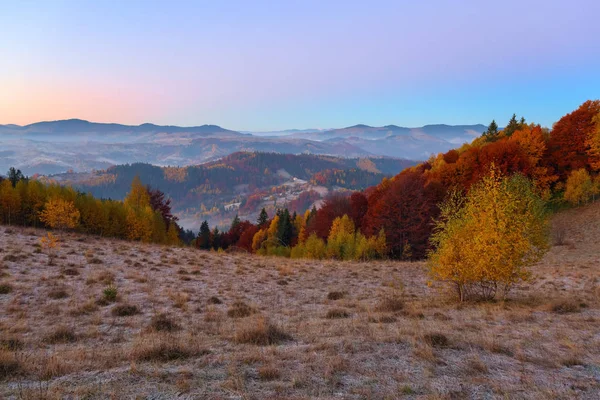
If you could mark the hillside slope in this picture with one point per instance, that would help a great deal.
(346, 330)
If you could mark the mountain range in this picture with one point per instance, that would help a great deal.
(59, 146)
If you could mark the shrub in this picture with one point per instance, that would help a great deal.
(125, 310)
(239, 309)
(110, 293)
(335, 295)
(268, 373)
(5, 288)
(565, 306)
(62, 334)
(390, 304)
(58, 293)
(436, 340)
(163, 348)
(162, 323)
(337, 313)
(9, 365)
(260, 332)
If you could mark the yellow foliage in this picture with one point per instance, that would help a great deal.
(176, 174)
(485, 241)
(258, 239)
(314, 247)
(60, 214)
(593, 143)
(50, 243)
(341, 239)
(579, 188)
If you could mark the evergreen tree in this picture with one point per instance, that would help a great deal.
(491, 134)
(203, 241)
(236, 221)
(14, 176)
(216, 238)
(284, 229)
(262, 218)
(513, 125)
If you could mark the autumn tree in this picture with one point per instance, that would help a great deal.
(579, 188)
(340, 242)
(593, 144)
(570, 139)
(10, 202)
(484, 241)
(60, 214)
(404, 209)
(139, 216)
(50, 243)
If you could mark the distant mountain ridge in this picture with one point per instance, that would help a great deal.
(50, 147)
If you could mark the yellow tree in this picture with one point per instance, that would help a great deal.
(50, 243)
(313, 247)
(60, 214)
(173, 235)
(579, 188)
(340, 242)
(485, 241)
(593, 144)
(139, 215)
(10, 201)
(258, 239)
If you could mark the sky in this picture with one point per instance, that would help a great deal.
(271, 65)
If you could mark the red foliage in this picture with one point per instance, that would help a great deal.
(358, 208)
(334, 206)
(246, 236)
(162, 205)
(451, 157)
(405, 210)
(567, 146)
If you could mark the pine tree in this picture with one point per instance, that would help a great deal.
(491, 134)
(203, 241)
(236, 221)
(284, 228)
(14, 176)
(513, 125)
(262, 218)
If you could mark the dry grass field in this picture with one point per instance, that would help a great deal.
(114, 319)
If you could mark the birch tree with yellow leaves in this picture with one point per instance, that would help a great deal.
(485, 241)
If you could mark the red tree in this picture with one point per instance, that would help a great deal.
(567, 146)
(405, 210)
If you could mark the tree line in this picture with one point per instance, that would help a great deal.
(398, 218)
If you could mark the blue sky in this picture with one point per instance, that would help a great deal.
(309, 64)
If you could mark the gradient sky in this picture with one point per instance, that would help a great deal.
(253, 65)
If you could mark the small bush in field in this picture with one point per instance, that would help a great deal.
(62, 334)
(261, 332)
(335, 295)
(9, 365)
(162, 323)
(239, 309)
(110, 293)
(5, 288)
(125, 310)
(337, 313)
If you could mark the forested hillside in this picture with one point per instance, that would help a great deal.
(394, 219)
(240, 183)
